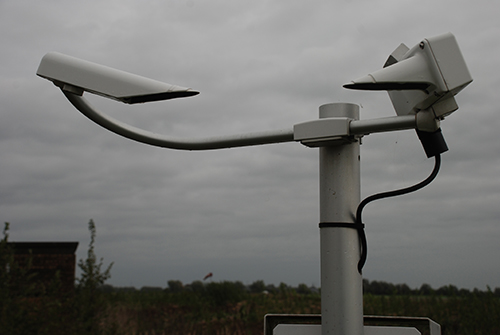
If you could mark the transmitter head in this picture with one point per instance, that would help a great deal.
(427, 76)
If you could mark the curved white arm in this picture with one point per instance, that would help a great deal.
(143, 136)
(312, 133)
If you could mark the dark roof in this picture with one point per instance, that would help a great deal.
(44, 247)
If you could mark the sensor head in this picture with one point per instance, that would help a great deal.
(426, 76)
(76, 76)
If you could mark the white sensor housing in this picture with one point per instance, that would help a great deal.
(428, 75)
(76, 76)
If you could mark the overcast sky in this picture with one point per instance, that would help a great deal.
(248, 213)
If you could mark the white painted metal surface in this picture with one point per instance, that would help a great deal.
(368, 330)
(76, 75)
(339, 196)
(432, 71)
(421, 324)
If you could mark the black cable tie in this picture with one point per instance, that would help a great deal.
(352, 225)
(360, 227)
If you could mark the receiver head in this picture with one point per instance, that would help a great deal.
(76, 75)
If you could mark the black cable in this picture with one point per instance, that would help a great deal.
(359, 221)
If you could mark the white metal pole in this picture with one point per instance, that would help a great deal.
(341, 283)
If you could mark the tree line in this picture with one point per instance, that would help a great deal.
(374, 287)
(383, 288)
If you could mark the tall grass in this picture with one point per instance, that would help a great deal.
(213, 311)
(195, 313)
(476, 313)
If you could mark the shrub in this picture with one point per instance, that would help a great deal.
(90, 302)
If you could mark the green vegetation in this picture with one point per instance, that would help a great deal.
(29, 306)
(88, 297)
(232, 308)
(210, 308)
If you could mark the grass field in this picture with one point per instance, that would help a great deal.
(222, 309)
